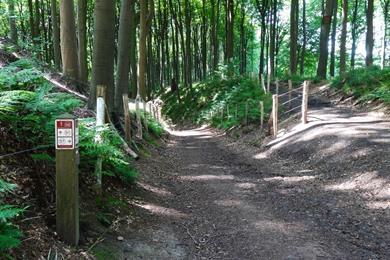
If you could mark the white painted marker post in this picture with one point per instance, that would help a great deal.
(67, 179)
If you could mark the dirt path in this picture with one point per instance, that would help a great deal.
(318, 192)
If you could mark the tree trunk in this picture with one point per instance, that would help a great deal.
(230, 31)
(354, 33)
(324, 38)
(385, 8)
(82, 29)
(68, 40)
(343, 38)
(12, 22)
(294, 36)
(142, 49)
(133, 51)
(31, 18)
(188, 54)
(123, 59)
(56, 35)
(103, 52)
(204, 40)
(333, 40)
(304, 39)
(370, 32)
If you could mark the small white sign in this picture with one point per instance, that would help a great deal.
(65, 134)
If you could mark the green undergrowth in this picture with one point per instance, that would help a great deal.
(28, 107)
(366, 84)
(205, 101)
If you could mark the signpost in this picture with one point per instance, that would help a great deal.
(67, 179)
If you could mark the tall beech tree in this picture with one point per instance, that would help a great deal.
(103, 52)
(294, 36)
(55, 34)
(69, 51)
(343, 38)
(370, 32)
(324, 39)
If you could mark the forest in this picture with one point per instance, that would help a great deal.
(195, 58)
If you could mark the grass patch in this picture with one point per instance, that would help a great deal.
(366, 84)
(205, 101)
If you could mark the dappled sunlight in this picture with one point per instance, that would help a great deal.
(228, 203)
(156, 190)
(207, 177)
(378, 204)
(362, 181)
(278, 226)
(162, 211)
(246, 185)
(198, 132)
(292, 179)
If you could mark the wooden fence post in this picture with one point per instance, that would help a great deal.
(263, 84)
(145, 117)
(246, 112)
(268, 83)
(261, 115)
(275, 101)
(305, 100)
(126, 110)
(67, 179)
(100, 121)
(138, 113)
(290, 87)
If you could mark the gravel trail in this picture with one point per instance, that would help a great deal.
(321, 191)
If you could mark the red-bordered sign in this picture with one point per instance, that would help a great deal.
(65, 134)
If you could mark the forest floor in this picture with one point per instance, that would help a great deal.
(319, 191)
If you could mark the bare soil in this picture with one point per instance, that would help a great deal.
(319, 191)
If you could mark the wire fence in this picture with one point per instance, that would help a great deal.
(41, 147)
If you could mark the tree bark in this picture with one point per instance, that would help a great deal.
(294, 36)
(333, 40)
(123, 59)
(12, 22)
(324, 38)
(56, 34)
(343, 38)
(304, 39)
(82, 29)
(370, 32)
(68, 39)
(103, 52)
(385, 9)
(230, 31)
(354, 33)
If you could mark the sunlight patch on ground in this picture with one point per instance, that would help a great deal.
(292, 179)
(246, 185)
(228, 203)
(159, 210)
(207, 177)
(277, 226)
(379, 204)
(156, 190)
(201, 131)
(363, 181)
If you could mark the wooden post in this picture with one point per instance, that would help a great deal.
(100, 121)
(290, 87)
(305, 100)
(145, 117)
(263, 84)
(275, 101)
(268, 83)
(246, 112)
(277, 86)
(222, 116)
(261, 115)
(127, 118)
(67, 179)
(138, 114)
